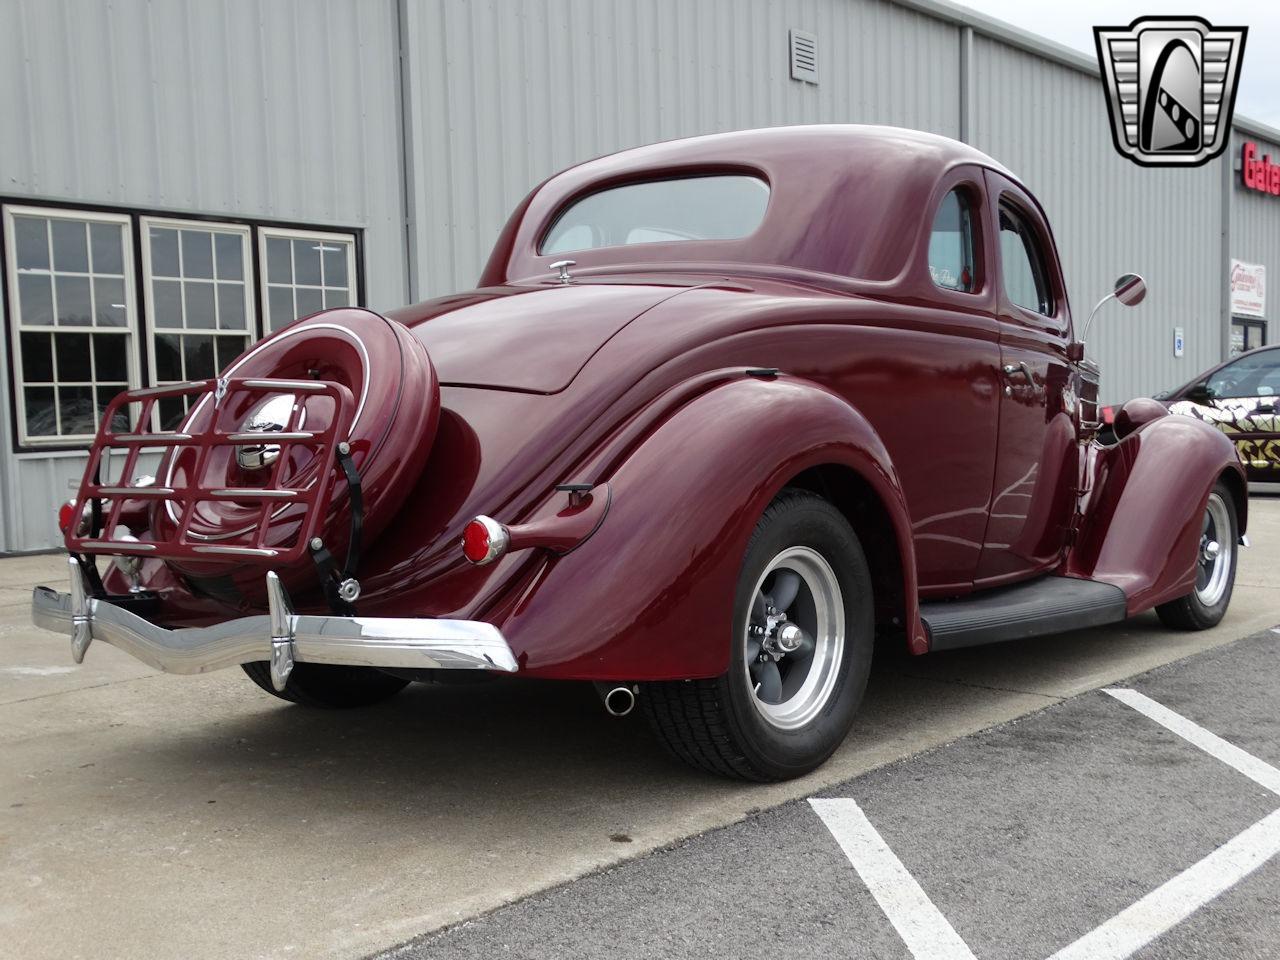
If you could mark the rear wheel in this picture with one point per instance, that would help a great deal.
(800, 653)
(328, 685)
(1206, 604)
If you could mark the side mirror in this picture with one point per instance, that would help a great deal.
(1199, 393)
(1130, 290)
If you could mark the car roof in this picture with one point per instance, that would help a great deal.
(845, 199)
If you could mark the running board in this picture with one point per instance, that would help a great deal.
(1046, 605)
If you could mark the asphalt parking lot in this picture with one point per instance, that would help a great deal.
(144, 815)
(1014, 843)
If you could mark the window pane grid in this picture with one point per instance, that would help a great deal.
(200, 303)
(97, 295)
(304, 273)
(72, 318)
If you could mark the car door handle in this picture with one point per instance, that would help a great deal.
(1012, 369)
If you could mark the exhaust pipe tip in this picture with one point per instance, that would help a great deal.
(620, 701)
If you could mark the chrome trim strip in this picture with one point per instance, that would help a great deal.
(391, 642)
(236, 551)
(187, 386)
(120, 546)
(140, 493)
(252, 493)
(156, 438)
(266, 435)
(298, 386)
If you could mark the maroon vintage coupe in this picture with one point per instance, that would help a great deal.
(721, 413)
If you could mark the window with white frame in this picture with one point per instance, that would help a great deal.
(304, 272)
(199, 301)
(103, 301)
(72, 318)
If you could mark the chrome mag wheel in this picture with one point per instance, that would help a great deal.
(794, 641)
(1217, 546)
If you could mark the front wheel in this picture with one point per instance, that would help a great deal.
(800, 652)
(1206, 604)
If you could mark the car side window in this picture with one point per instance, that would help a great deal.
(951, 262)
(1253, 375)
(1026, 281)
(1269, 383)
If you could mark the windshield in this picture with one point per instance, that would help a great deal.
(1253, 375)
(660, 211)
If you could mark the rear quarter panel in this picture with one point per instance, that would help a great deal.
(649, 595)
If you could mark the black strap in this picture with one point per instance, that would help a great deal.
(356, 492)
(90, 570)
(95, 508)
(329, 579)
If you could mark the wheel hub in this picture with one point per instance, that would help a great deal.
(1213, 570)
(778, 636)
(794, 637)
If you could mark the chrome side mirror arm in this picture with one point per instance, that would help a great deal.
(1130, 290)
(1084, 336)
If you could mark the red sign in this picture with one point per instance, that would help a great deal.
(1259, 173)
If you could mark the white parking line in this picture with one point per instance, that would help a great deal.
(1169, 904)
(1257, 770)
(929, 935)
(921, 925)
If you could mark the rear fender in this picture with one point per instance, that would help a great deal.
(1146, 500)
(649, 596)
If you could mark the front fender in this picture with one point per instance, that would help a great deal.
(1147, 497)
(649, 596)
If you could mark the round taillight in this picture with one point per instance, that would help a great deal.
(484, 540)
(71, 522)
(65, 513)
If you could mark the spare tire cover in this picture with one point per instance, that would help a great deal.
(397, 407)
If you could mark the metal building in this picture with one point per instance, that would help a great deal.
(179, 177)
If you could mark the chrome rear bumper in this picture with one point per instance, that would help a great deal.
(282, 637)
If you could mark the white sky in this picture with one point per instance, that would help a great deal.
(1072, 24)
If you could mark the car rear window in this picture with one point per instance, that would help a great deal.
(726, 207)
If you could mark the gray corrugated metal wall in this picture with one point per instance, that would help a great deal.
(506, 94)
(1255, 225)
(277, 110)
(1048, 123)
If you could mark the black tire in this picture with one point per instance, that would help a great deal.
(715, 724)
(328, 686)
(1192, 612)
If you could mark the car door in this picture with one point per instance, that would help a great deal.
(1242, 399)
(927, 379)
(1032, 496)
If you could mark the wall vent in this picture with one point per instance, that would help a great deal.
(804, 56)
